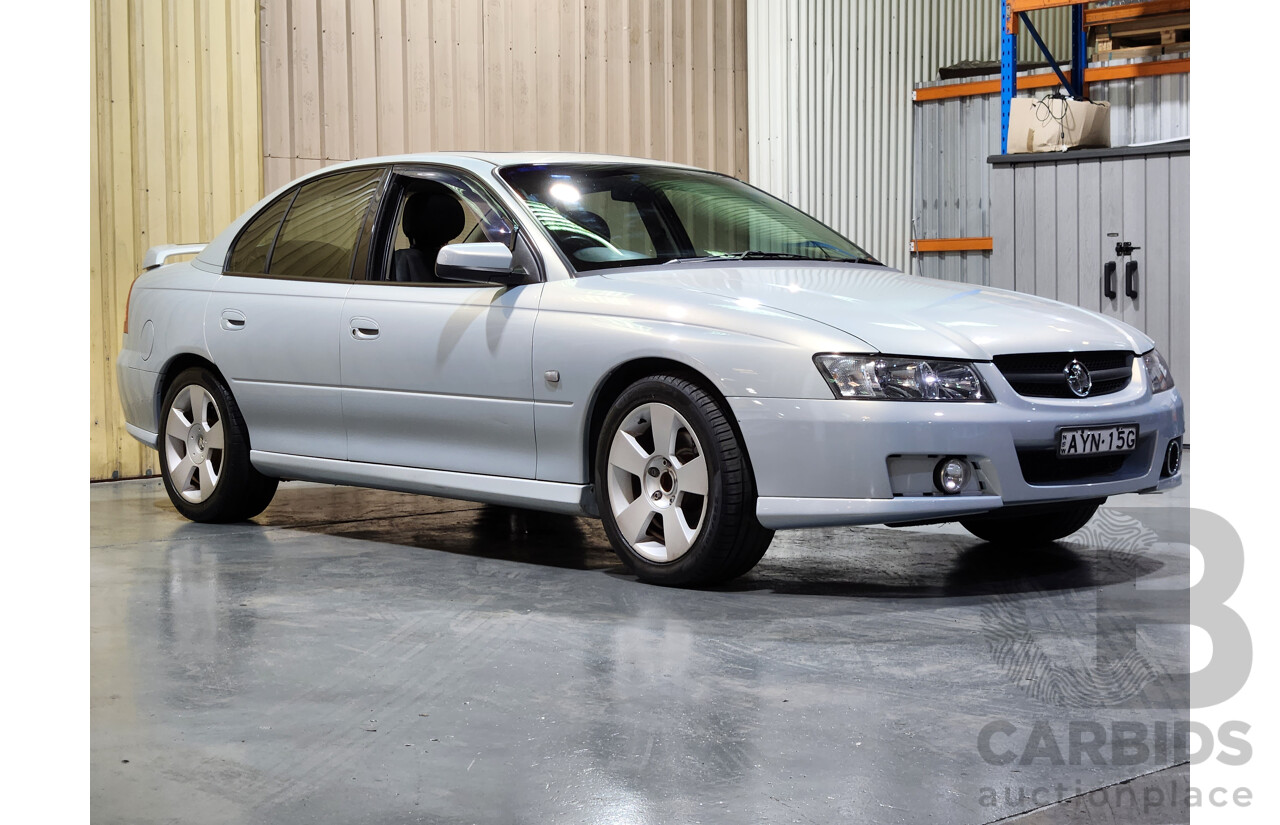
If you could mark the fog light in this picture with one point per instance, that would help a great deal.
(1172, 458)
(951, 475)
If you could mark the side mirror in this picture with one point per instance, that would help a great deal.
(478, 263)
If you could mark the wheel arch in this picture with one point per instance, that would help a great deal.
(626, 374)
(172, 369)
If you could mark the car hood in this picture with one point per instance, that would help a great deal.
(903, 314)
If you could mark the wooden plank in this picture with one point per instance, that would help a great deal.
(218, 137)
(364, 79)
(185, 99)
(1048, 79)
(305, 65)
(639, 127)
(247, 105)
(682, 82)
(277, 101)
(390, 75)
(335, 79)
(419, 84)
(923, 245)
(443, 78)
(741, 136)
(496, 41)
(1132, 11)
(570, 91)
(526, 111)
(475, 100)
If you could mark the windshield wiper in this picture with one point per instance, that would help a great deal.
(749, 255)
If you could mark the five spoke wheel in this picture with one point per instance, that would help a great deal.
(674, 486)
(204, 451)
(194, 443)
(657, 482)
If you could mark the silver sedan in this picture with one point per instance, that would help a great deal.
(672, 350)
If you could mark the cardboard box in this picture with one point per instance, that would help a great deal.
(1055, 124)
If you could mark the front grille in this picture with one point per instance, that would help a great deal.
(1044, 466)
(1041, 374)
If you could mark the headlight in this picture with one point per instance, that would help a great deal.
(1158, 371)
(901, 379)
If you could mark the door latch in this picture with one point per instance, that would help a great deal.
(1126, 248)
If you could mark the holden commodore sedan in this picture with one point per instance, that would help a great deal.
(671, 350)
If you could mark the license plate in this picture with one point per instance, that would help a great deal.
(1082, 441)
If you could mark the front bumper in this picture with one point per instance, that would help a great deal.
(820, 462)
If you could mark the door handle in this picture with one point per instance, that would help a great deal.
(364, 329)
(1109, 279)
(1131, 279)
(232, 319)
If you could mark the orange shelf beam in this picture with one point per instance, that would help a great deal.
(1046, 79)
(951, 245)
(1016, 6)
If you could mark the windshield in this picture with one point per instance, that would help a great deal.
(604, 216)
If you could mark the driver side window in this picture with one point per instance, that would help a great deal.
(432, 210)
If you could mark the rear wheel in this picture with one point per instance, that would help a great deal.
(674, 486)
(204, 452)
(1041, 527)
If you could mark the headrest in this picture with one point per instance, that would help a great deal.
(432, 216)
(590, 221)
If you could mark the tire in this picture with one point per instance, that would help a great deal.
(204, 452)
(1043, 526)
(674, 486)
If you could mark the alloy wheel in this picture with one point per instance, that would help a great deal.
(657, 482)
(194, 443)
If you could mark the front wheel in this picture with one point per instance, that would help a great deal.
(204, 452)
(1041, 527)
(674, 486)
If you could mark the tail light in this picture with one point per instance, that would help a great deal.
(128, 301)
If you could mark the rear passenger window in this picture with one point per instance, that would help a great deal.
(319, 236)
(254, 244)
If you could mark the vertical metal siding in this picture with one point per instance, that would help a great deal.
(830, 114)
(344, 79)
(1051, 230)
(175, 154)
(954, 137)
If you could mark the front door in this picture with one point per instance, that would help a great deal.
(437, 374)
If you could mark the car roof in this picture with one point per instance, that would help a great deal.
(498, 159)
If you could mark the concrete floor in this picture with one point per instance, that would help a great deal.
(361, 656)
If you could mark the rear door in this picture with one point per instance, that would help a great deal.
(274, 321)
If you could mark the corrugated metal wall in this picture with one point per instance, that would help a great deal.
(174, 155)
(353, 78)
(953, 139)
(830, 88)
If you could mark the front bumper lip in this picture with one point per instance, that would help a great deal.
(781, 513)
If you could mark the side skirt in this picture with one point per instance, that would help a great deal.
(552, 496)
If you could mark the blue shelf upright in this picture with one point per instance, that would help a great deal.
(1012, 14)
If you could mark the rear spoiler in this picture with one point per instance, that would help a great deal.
(157, 255)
